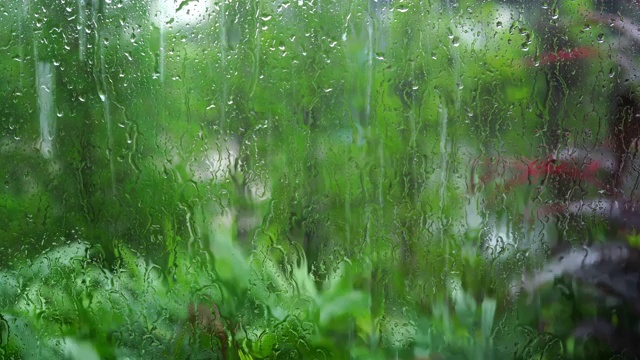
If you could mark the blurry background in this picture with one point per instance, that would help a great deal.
(305, 166)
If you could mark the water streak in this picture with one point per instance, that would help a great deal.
(102, 82)
(161, 50)
(22, 21)
(82, 34)
(367, 100)
(444, 160)
(444, 134)
(366, 123)
(106, 106)
(223, 64)
(45, 91)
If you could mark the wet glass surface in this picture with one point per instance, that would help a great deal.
(365, 179)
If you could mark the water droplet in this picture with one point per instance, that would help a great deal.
(600, 37)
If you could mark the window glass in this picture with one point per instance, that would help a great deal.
(367, 179)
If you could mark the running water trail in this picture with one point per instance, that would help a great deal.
(22, 24)
(444, 175)
(367, 99)
(161, 25)
(102, 82)
(45, 94)
(444, 135)
(106, 106)
(82, 33)
(223, 64)
(366, 124)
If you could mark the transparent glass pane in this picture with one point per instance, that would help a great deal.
(366, 179)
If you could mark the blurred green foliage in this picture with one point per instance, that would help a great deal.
(276, 179)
